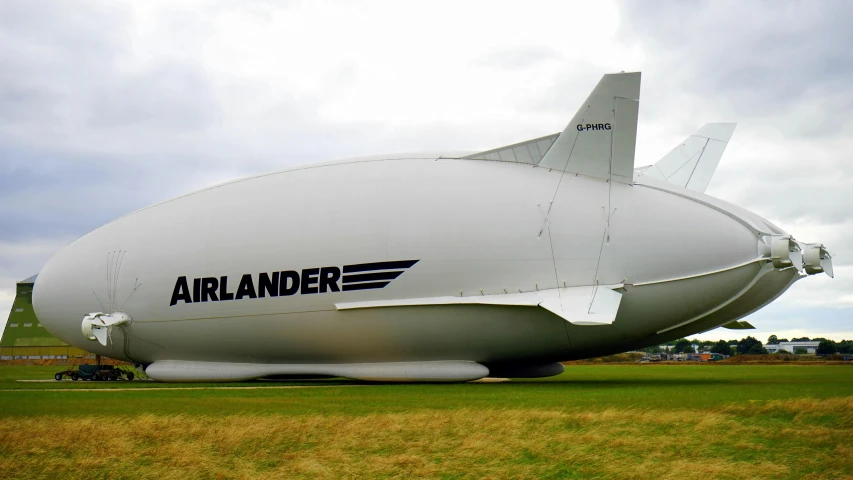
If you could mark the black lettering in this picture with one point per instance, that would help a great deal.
(587, 127)
(208, 289)
(268, 285)
(329, 277)
(309, 277)
(196, 290)
(246, 288)
(181, 292)
(607, 126)
(224, 294)
(283, 289)
(374, 266)
(580, 127)
(600, 126)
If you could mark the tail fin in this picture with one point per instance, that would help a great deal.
(692, 163)
(601, 138)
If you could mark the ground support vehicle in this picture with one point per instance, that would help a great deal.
(95, 373)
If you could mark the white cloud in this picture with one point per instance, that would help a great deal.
(7, 298)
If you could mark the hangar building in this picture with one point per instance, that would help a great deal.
(793, 347)
(25, 338)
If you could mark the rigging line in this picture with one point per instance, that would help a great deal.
(122, 253)
(112, 281)
(109, 277)
(598, 264)
(605, 236)
(98, 299)
(137, 285)
(554, 197)
(110, 285)
(115, 277)
(701, 152)
(686, 162)
(126, 344)
(556, 276)
(544, 220)
(568, 158)
(116, 258)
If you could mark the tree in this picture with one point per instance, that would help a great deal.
(772, 340)
(803, 339)
(845, 346)
(826, 347)
(783, 340)
(751, 346)
(800, 351)
(722, 347)
(782, 350)
(683, 346)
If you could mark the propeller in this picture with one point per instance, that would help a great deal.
(817, 259)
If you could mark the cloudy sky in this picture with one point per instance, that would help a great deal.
(106, 107)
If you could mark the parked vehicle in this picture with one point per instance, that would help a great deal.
(95, 373)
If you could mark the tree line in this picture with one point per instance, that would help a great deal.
(751, 346)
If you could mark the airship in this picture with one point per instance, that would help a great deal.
(430, 267)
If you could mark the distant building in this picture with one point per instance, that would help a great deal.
(25, 338)
(792, 347)
(710, 357)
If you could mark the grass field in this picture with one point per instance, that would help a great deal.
(598, 421)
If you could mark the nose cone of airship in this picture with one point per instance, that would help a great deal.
(57, 299)
(84, 279)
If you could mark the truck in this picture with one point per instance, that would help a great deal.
(95, 373)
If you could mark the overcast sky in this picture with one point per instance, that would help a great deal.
(106, 107)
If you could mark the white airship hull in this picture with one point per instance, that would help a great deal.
(469, 242)
(433, 268)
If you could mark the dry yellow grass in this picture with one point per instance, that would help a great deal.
(732, 442)
(599, 421)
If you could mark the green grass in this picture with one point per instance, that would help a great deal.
(601, 421)
(617, 386)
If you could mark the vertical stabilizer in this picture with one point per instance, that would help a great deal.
(692, 163)
(601, 138)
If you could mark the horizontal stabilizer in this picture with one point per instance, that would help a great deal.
(741, 325)
(601, 138)
(692, 163)
(530, 152)
(577, 305)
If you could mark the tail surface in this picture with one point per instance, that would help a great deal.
(601, 138)
(692, 163)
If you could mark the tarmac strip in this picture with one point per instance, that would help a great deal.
(252, 387)
(137, 389)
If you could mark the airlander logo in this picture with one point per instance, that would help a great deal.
(593, 126)
(362, 276)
